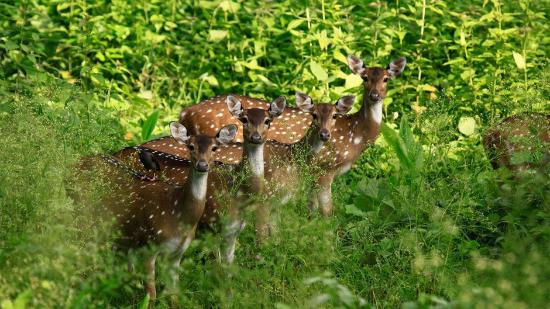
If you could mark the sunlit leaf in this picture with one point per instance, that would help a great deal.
(148, 125)
(467, 125)
(318, 71)
(217, 35)
(520, 61)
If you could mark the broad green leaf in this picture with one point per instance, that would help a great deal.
(520, 61)
(353, 210)
(210, 79)
(352, 81)
(426, 87)
(318, 71)
(340, 57)
(294, 24)
(467, 125)
(229, 6)
(217, 35)
(144, 303)
(153, 37)
(148, 125)
(323, 40)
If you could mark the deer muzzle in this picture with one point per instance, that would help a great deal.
(201, 166)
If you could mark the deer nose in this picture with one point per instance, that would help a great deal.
(374, 96)
(324, 134)
(202, 166)
(256, 138)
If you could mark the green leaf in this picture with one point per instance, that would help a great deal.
(467, 125)
(323, 40)
(353, 210)
(229, 6)
(217, 35)
(293, 24)
(318, 71)
(520, 61)
(144, 303)
(352, 81)
(149, 125)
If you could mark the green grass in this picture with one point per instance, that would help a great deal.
(440, 231)
(420, 221)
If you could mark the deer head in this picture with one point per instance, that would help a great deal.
(324, 114)
(256, 121)
(375, 79)
(202, 147)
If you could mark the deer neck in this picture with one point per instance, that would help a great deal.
(369, 119)
(254, 157)
(196, 186)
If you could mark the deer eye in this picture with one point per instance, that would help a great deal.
(386, 79)
(364, 77)
(334, 116)
(244, 120)
(314, 116)
(267, 122)
(190, 147)
(214, 148)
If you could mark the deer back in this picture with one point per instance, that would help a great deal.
(210, 115)
(519, 141)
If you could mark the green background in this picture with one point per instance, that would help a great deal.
(421, 219)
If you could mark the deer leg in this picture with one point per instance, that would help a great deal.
(324, 196)
(231, 233)
(262, 219)
(150, 280)
(313, 201)
(175, 255)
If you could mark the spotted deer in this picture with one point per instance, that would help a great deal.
(355, 132)
(248, 156)
(351, 134)
(211, 114)
(280, 159)
(150, 211)
(519, 143)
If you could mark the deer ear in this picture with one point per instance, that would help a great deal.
(227, 134)
(344, 104)
(304, 102)
(178, 132)
(234, 105)
(397, 66)
(277, 107)
(356, 64)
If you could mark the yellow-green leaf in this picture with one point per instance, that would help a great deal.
(340, 57)
(427, 87)
(462, 38)
(294, 24)
(352, 81)
(323, 39)
(229, 6)
(520, 61)
(217, 35)
(467, 125)
(318, 71)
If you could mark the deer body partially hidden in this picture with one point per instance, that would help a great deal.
(353, 133)
(282, 160)
(249, 157)
(520, 142)
(159, 213)
(211, 114)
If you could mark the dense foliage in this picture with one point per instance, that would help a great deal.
(420, 221)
